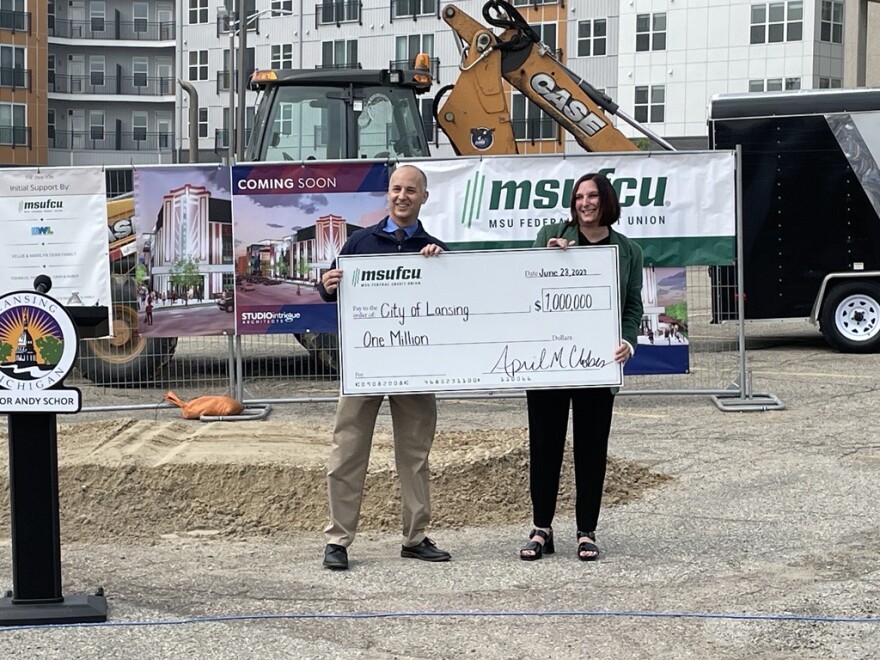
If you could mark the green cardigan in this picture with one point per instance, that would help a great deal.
(631, 261)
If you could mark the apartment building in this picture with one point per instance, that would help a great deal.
(23, 58)
(86, 82)
(661, 60)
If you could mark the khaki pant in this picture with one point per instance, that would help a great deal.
(414, 419)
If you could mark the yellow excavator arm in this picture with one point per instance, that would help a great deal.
(475, 114)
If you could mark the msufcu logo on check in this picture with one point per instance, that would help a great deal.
(385, 276)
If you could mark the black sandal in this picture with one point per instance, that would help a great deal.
(585, 546)
(540, 549)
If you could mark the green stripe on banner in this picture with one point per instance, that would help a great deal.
(693, 251)
(690, 251)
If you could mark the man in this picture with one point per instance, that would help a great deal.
(414, 416)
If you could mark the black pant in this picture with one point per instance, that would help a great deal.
(548, 425)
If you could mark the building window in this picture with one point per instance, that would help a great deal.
(529, 121)
(12, 71)
(414, 7)
(280, 6)
(339, 11)
(198, 11)
(96, 125)
(831, 24)
(198, 65)
(407, 47)
(139, 126)
(830, 83)
(140, 14)
(592, 37)
(203, 122)
(139, 71)
(650, 32)
(547, 34)
(282, 56)
(339, 54)
(96, 70)
(427, 110)
(50, 74)
(650, 104)
(777, 22)
(51, 127)
(13, 124)
(13, 15)
(97, 12)
(774, 84)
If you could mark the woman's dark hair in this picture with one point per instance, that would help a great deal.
(609, 205)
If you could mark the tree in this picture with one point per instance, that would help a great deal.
(185, 274)
(5, 351)
(140, 273)
(303, 268)
(51, 349)
(281, 268)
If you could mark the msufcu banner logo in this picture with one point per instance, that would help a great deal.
(385, 276)
(38, 342)
(548, 194)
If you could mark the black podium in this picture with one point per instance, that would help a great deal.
(36, 596)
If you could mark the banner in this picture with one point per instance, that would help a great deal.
(183, 223)
(290, 222)
(680, 207)
(54, 223)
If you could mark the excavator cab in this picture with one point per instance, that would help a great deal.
(337, 114)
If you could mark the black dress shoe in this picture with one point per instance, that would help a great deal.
(335, 557)
(426, 551)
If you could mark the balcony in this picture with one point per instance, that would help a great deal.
(134, 85)
(100, 140)
(15, 78)
(15, 21)
(414, 8)
(338, 12)
(115, 29)
(15, 136)
(408, 64)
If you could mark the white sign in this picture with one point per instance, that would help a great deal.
(491, 320)
(54, 223)
(38, 344)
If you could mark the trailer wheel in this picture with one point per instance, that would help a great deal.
(126, 358)
(850, 319)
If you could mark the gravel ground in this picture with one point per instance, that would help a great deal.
(757, 540)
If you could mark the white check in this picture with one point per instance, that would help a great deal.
(488, 320)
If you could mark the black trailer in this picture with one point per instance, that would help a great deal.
(811, 209)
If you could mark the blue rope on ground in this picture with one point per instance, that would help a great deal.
(453, 613)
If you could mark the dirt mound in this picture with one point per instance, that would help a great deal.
(128, 479)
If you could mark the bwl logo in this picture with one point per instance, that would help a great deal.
(45, 205)
(41, 231)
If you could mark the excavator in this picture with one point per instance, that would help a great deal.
(475, 114)
(348, 113)
(353, 113)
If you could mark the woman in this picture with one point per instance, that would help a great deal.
(594, 208)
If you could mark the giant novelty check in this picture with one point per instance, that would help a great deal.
(491, 320)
